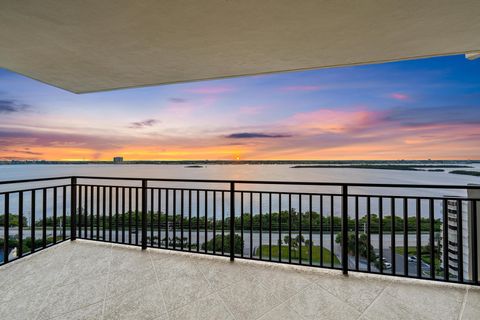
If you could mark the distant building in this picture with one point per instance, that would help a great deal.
(117, 159)
(466, 235)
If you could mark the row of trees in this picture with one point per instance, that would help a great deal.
(257, 222)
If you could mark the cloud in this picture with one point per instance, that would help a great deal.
(144, 124)
(12, 106)
(177, 100)
(210, 90)
(256, 135)
(430, 116)
(399, 96)
(303, 88)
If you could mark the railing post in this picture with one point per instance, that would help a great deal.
(345, 229)
(144, 213)
(232, 221)
(73, 209)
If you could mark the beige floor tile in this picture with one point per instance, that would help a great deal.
(142, 304)
(281, 312)
(210, 307)
(472, 305)
(316, 303)
(248, 299)
(359, 293)
(91, 312)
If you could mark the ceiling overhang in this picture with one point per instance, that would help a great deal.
(91, 45)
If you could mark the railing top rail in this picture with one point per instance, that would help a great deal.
(33, 180)
(271, 182)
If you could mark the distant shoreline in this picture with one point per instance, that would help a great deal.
(296, 163)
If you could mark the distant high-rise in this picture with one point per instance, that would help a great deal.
(117, 159)
(461, 231)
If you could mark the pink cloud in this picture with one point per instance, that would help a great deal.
(399, 96)
(210, 90)
(302, 88)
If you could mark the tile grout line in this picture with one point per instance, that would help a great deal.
(374, 300)
(464, 302)
(107, 282)
(158, 283)
(42, 306)
(216, 292)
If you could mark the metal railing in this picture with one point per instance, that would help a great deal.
(374, 228)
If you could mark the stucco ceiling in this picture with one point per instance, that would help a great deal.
(94, 45)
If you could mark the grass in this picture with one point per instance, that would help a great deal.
(327, 255)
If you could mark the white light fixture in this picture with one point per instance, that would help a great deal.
(472, 55)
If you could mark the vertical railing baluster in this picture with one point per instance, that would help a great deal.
(129, 215)
(167, 231)
(241, 221)
(110, 213)
(260, 240)
(206, 219)
(44, 218)
(20, 224)
(152, 212)
(174, 215)
(85, 227)
(289, 228)
(144, 213)
(392, 244)
(251, 226)
(137, 212)
(214, 222)
(310, 248)
(405, 236)
(332, 227)
(197, 198)
(6, 226)
(159, 218)
(189, 220)
(98, 213)
(55, 215)
(181, 217)
(418, 210)
(300, 235)
(270, 226)
(123, 215)
(279, 227)
(117, 212)
(357, 231)
(73, 209)
(232, 221)
(92, 211)
(321, 229)
(369, 238)
(32, 229)
(79, 213)
(432, 239)
(64, 213)
(104, 213)
(380, 233)
(223, 223)
(344, 229)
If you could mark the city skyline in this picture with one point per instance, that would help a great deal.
(417, 109)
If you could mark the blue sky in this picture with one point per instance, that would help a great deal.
(416, 109)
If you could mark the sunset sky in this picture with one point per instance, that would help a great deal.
(420, 109)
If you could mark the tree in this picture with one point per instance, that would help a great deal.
(237, 242)
(362, 245)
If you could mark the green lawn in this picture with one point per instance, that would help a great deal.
(327, 255)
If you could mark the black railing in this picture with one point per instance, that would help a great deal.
(374, 228)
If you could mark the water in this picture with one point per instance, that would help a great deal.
(244, 172)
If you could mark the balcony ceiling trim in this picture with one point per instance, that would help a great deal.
(91, 45)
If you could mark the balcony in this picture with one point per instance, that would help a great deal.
(90, 280)
(192, 249)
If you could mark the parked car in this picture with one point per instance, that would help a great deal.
(412, 259)
(387, 265)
